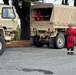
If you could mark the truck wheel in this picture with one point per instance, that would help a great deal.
(2, 45)
(59, 41)
(36, 42)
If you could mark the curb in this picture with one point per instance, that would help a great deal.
(21, 43)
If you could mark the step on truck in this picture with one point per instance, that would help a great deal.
(50, 28)
(8, 23)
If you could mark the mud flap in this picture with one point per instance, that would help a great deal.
(51, 42)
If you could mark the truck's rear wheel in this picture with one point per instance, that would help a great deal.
(36, 41)
(2, 45)
(59, 41)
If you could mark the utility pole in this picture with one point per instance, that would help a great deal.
(65, 2)
(62, 2)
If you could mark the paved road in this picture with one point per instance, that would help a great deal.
(37, 61)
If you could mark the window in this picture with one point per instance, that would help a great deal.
(8, 12)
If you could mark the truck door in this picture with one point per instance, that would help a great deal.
(8, 20)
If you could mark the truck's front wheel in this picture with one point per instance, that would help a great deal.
(2, 45)
(59, 41)
(36, 41)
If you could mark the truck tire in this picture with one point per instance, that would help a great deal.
(2, 45)
(36, 42)
(59, 41)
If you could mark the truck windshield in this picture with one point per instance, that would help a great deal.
(8, 12)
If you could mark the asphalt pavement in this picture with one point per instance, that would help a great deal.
(37, 61)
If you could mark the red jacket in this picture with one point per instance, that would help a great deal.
(70, 37)
(39, 17)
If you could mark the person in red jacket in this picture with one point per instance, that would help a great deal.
(39, 16)
(70, 39)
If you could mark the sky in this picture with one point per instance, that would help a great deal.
(52, 1)
(71, 2)
(1, 1)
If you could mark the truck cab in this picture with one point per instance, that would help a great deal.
(8, 23)
(8, 20)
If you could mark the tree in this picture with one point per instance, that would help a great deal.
(6, 2)
(23, 9)
(66, 2)
(74, 2)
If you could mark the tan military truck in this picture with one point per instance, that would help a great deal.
(8, 23)
(51, 29)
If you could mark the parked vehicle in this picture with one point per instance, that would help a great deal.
(8, 23)
(51, 30)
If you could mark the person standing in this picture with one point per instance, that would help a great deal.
(70, 39)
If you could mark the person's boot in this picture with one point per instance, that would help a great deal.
(72, 52)
(68, 52)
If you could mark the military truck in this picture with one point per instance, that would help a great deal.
(51, 30)
(8, 23)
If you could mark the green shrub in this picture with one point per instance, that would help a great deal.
(17, 34)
